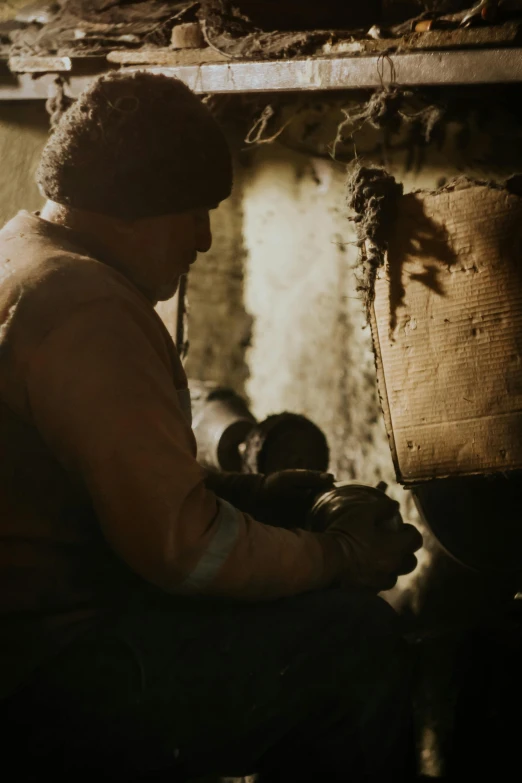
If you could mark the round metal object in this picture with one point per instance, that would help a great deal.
(477, 520)
(221, 422)
(285, 441)
(344, 500)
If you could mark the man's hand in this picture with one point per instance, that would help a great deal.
(375, 546)
(286, 497)
(281, 499)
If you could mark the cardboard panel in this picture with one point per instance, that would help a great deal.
(447, 329)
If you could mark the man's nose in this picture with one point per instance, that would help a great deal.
(204, 234)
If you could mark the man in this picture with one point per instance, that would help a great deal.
(148, 624)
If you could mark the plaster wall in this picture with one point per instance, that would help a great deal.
(285, 256)
(9, 8)
(311, 348)
(23, 133)
(311, 351)
(219, 328)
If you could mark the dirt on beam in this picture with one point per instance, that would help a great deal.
(87, 28)
(291, 15)
(253, 29)
(231, 32)
(372, 195)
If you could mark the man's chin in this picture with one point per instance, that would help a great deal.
(167, 292)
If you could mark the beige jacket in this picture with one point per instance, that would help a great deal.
(99, 482)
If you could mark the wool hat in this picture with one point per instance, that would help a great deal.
(136, 145)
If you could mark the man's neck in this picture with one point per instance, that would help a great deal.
(109, 239)
(98, 229)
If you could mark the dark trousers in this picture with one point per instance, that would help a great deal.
(313, 688)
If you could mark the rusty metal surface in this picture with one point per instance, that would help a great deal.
(481, 66)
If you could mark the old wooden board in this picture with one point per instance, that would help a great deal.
(488, 66)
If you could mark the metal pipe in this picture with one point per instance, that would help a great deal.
(230, 439)
(221, 421)
(284, 441)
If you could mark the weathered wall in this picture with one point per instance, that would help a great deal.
(311, 352)
(219, 328)
(286, 230)
(311, 348)
(23, 132)
(9, 8)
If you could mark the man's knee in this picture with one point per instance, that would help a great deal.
(363, 633)
(359, 611)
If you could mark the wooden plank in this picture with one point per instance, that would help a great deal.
(30, 64)
(167, 57)
(474, 66)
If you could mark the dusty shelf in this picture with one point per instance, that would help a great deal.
(455, 67)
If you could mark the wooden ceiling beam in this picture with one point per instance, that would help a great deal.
(415, 69)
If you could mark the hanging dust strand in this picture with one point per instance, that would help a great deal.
(255, 134)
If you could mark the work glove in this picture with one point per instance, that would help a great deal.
(286, 497)
(283, 498)
(375, 546)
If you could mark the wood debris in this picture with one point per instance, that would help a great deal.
(246, 29)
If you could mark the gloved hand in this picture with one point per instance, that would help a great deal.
(281, 499)
(375, 546)
(287, 496)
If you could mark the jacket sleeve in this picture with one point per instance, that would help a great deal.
(240, 489)
(101, 393)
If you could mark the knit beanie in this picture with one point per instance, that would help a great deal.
(136, 145)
